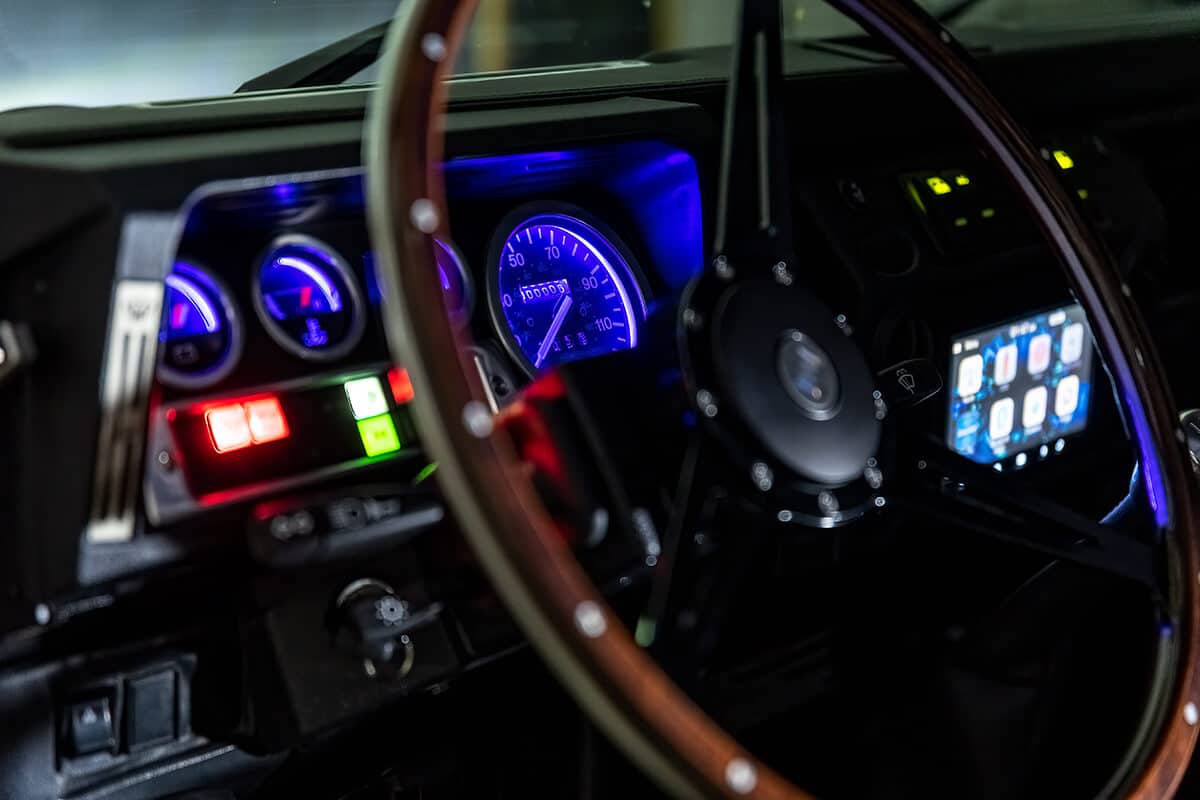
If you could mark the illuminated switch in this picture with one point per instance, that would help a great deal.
(366, 398)
(402, 388)
(938, 185)
(228, 427)
(267, 423)
(379, 435)
(1064, 160)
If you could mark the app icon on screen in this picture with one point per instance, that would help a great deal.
(1039, 353)
(1066, 396)
(1006, 364)
(1000, 419)
(1033, 413)
(1072, 343)
(966, 432)
(970, 376)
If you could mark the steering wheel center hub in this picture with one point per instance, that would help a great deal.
(808, 376)
(794, 388)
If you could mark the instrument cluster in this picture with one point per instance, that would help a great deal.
(274, 371)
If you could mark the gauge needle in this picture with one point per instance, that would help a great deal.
(559, 316)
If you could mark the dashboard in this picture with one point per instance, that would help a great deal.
(251, 474)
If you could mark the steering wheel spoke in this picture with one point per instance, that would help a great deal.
(954, 490)
(754, 211)
(584, 442)
(692, 509)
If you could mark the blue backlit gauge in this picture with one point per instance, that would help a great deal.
(456, 281)
(563, 288)
(201, 333)
(308, 299)
(455, 278)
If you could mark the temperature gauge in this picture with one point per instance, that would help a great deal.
(308, 300)
(201, 332)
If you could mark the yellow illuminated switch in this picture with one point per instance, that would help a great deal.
(379, 435)
(962, 180)
(938, 185)
(1064, 161)
(366, 397)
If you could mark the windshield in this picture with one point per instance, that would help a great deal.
(103, 52)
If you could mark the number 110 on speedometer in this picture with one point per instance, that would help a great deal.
(562, 290)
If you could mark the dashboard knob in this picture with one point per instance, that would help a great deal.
(1190, 420)
(373, 624)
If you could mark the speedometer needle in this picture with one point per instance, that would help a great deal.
(559, 316)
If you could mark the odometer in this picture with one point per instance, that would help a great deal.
(562, 290)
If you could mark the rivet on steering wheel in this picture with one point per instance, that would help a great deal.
(590, 619)
(433, 46)
(477, 419)
(741, 776)
(424, 215)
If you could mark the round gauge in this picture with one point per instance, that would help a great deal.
(562, 287)
(201, 332)
(307, 299)
(456, 281)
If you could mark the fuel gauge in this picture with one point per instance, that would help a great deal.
(201, 332)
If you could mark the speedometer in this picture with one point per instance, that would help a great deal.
(562, 288)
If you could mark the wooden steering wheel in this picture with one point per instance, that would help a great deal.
(517, 543)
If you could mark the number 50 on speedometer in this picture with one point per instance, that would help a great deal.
(563, 288)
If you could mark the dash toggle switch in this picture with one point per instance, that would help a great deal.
(234, 426)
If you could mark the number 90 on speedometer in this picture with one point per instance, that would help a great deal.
(563, 289)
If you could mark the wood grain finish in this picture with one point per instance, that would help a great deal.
(561, 611)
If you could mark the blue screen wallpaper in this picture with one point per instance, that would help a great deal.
(1019, 387)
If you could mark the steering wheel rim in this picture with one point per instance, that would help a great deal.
(517, 543)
